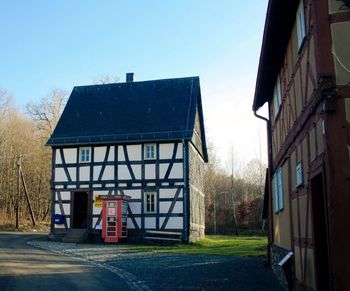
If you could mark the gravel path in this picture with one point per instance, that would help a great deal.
(150, 271)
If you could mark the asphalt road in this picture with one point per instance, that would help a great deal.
(24, 267)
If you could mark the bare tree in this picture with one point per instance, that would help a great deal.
(106, 79)
(46, 113)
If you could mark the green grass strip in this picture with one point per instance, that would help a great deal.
(213, 245)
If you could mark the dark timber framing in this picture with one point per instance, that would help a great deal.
(116, 121)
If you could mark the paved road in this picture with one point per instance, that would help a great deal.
(23, 267)
(114, 267)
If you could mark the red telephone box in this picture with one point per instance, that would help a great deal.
(114, 217)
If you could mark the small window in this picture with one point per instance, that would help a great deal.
(277, 100)
(301, 32)
(150, 202)
(299, 175)
(150, 151)
(278, 190)
(85, 154)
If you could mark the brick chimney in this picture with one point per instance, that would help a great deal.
(130, 77)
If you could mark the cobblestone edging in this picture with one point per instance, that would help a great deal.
(97, 255)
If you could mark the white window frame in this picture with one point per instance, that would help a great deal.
(277, 96)
(301, 28)
(154, 202)
(278, 190)
(299, 175)
(154, 151)
(82, 155)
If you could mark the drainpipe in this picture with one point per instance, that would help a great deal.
(270, 167)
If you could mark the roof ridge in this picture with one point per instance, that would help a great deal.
(137, 82)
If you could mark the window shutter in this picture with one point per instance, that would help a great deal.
(280, 189)
(275, 192)
(301, 32)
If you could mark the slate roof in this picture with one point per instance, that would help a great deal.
(158, 110)
(278, 26)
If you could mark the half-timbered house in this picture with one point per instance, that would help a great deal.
(304, 76)
(145, 140)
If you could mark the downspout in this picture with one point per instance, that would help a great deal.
(270, 167)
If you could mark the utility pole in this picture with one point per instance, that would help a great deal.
(19, 178)
(18, 189)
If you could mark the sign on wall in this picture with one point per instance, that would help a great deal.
(97, 201)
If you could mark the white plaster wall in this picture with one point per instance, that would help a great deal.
(150, 171)
(173, 222)
(150, 222)
(137, 171)
(97, 170)
(70, 155)
(166, 150)
(134, 152)
(162, 170)
(178, 207)
(111, 154)
(84, 173)
(131, 224)
(179, 153)
(168, 193)
(123, 172)
(94, 220)
(60, 175)
(108, 174)
(179, 183)
(176, 171)
(66, 208)
(135, 207)
(121, 156)
(58, 159)
(73, 173)
(99, 154)
(65, 195)
(165, 206)
(134, 194)
(57, 209)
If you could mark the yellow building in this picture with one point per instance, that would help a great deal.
(304, 76)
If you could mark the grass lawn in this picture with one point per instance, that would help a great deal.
(214, 245)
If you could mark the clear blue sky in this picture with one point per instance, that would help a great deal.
(60, 44)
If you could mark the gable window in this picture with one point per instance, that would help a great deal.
(150, 202)
(278, 190)
(85, 154)
(301, 32)
(150, 151)
(277, 100)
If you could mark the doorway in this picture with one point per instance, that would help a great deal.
(80, 209)
(322, 267)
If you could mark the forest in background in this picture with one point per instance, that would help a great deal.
(22, 140)
(233, 195)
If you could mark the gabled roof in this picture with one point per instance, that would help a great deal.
(279, 22)
(159, 110)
